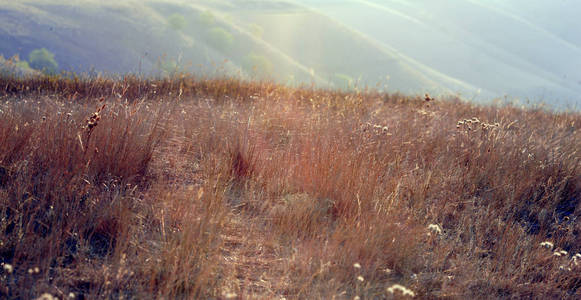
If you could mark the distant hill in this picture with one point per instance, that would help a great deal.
(132, 36)
(476, 48)
(526, 49)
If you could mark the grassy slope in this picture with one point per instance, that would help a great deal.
(190, 188)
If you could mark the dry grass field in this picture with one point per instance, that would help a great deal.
(220, 189)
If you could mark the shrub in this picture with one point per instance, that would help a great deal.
(220, 38)
(343, 81)
(43, 60)
(177, 22)
(168, 66)
(207, 18)
(256, 30)
(258, 65)
(14, 67)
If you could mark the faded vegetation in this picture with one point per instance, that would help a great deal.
(195, 188)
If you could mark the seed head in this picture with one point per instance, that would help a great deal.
(46, 296)
(576, 258)
(8, 268)
(435, 228)
(405, 291)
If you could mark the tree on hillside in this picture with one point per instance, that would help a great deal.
(256, 30)
(43, 60)
(168, 66)
(258, 65)
(14, 66)
(177, 22)
(220, 38)
(343, 81)
(207, 18)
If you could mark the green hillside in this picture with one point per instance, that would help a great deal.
(132, 37)
(250, 38)
(413, 47)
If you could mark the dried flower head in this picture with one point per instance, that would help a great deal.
(230, 295)
(564, 268)
(470, 124)
(8, 268)
(47, 296)
(400, 288)
(94, 119)
(560, 253)
(435, 228)
(576, 258)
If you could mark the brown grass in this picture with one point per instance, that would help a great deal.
(197, 188)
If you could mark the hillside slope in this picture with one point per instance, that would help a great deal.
(415, 47)
(503, 48)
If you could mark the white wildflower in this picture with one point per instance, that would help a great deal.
(47, 296)
(547, 245)
(576, 258)
(560, 253)
(435, 228)
(563, 268)
(356, 266)
(405, 291)
(8, 268)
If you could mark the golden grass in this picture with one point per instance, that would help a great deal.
(197, 188)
